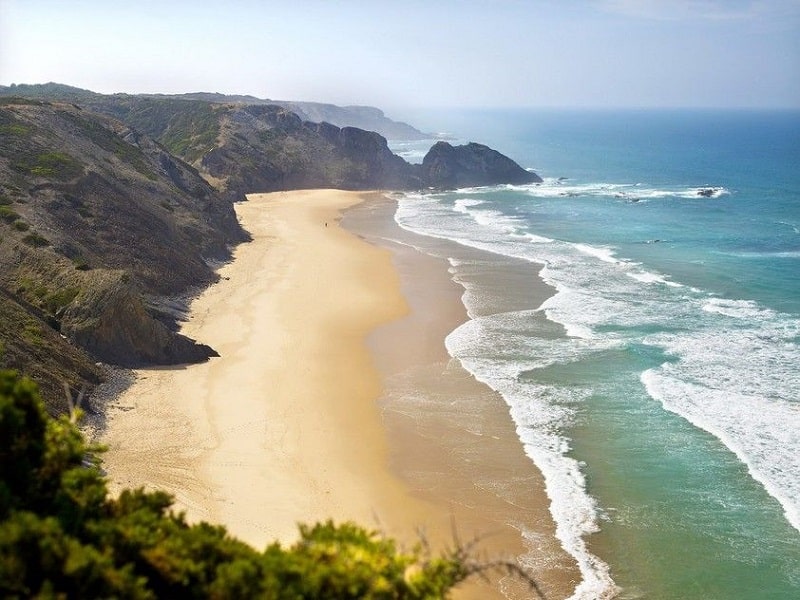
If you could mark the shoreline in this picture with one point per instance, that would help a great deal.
(452, 438)
(292, 422)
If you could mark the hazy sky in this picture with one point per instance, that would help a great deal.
(431, 53)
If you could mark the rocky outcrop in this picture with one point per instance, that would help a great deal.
(110, 320)
(29, 343)
(470, 165)
(266, 148)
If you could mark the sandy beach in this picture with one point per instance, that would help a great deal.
(302, 417)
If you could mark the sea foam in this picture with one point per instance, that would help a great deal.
(731, 368)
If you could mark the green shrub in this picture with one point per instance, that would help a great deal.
(57, 165)
(111, 142)
(35, 240)
(55, 301)
(61, 535)
(8, 215)
(52, 165)
(14, 129)
(81, 264)
(32, 333)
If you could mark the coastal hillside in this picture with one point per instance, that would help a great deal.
(242, 147)
(369, 118)
(113, 209)
(362, 117)
(245, 148)
(98, 225)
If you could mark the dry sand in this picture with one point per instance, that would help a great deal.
(291, 423)
(282, 427)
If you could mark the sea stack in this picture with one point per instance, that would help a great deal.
(470, 165)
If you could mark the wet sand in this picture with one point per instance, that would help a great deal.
(451, 438)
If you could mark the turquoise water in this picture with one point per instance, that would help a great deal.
(657, 389)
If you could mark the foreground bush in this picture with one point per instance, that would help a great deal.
(62, 535)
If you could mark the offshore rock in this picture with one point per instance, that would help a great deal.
(471, 165)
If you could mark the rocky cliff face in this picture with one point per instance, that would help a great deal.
(243, 144)
(264, 148)
(267, 148)
(94, 219)
(109, 319)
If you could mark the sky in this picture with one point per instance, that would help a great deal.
(417, 53)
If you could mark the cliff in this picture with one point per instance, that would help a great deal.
(266, 148)
(242, 144)
(96, 221)
(112, 205)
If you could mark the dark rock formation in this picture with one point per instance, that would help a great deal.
(109, 319)
(447, 166)
(267, 148)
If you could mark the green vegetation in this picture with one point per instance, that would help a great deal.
(51, 300)
(81, 264)
(61, 535)
(187, 128)
(11, 126)
(54, 302)
(12, 217)
(53, 165)
(8, 215)
(35, 240)
(192, 134)
(14, 129)
(110, 142)
(32, 333)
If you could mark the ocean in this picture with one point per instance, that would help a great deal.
(658, 388)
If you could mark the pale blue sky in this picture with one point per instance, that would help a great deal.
(568, 53)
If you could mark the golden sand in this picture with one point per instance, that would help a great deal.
(288, 424)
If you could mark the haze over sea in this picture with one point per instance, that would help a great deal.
(657, 389)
